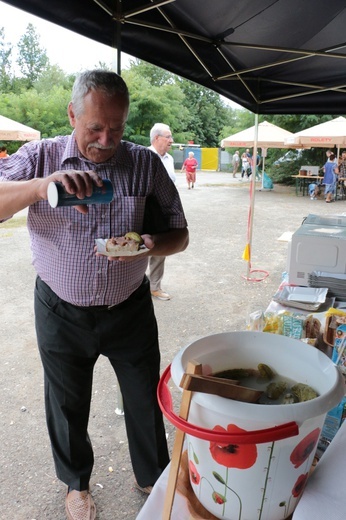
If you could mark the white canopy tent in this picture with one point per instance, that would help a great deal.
(269, 136)
(325, 135)
(12, 131)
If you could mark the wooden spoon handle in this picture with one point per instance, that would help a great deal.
(222, 388)
(221, 380)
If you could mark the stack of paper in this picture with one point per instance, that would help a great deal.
(336, 283)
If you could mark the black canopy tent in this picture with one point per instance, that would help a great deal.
(270, 56)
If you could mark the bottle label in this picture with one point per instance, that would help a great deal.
(57, 195)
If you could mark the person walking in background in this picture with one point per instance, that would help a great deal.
(245, 166)
(258, 163)
(235, 163)
(250, 161)
(190, 165)
(161, 141)
(89, 305)
(330, 178)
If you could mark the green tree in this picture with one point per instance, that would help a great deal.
(5, 63)
(151, 104)
(296, 122)
(233, 124)
(155, 75)
(32, 58)
(46, 112)
(201, 115)
(103, 65)
(53, 75)
(208, 114)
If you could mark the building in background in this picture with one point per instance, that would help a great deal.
(207, 158)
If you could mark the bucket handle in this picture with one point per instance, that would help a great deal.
(276, 433)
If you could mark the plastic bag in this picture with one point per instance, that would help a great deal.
(267, 182)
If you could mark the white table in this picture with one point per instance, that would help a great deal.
(324, 497)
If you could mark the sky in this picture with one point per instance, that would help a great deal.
(67, 49)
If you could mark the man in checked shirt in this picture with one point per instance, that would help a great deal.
(86, 304)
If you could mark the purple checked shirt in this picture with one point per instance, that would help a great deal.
(62, 239)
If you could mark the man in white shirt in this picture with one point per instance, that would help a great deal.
(235, 162)
(161, 141)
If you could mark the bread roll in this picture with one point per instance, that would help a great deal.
(118, 244)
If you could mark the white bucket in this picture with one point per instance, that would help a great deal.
(238, 475)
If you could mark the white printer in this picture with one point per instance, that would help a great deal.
(318, 245)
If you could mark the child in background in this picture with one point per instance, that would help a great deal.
(314, 191)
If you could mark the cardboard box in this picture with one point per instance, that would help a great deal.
(311, 170)
(332, 423)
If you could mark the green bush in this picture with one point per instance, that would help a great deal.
(282, 173)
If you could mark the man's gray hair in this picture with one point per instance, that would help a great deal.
(104, 80)
(157, 129)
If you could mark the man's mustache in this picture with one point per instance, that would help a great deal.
(100, 146)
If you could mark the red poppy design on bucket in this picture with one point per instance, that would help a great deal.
(299, 485)
(241, 456)
(304, 449)
(194, 475)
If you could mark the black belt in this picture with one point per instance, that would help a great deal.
(101, 307)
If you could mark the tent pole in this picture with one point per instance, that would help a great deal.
(117, 39)
(252, 195)
(119, 48)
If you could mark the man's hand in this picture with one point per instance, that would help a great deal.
(75, 182)
(15, 196)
